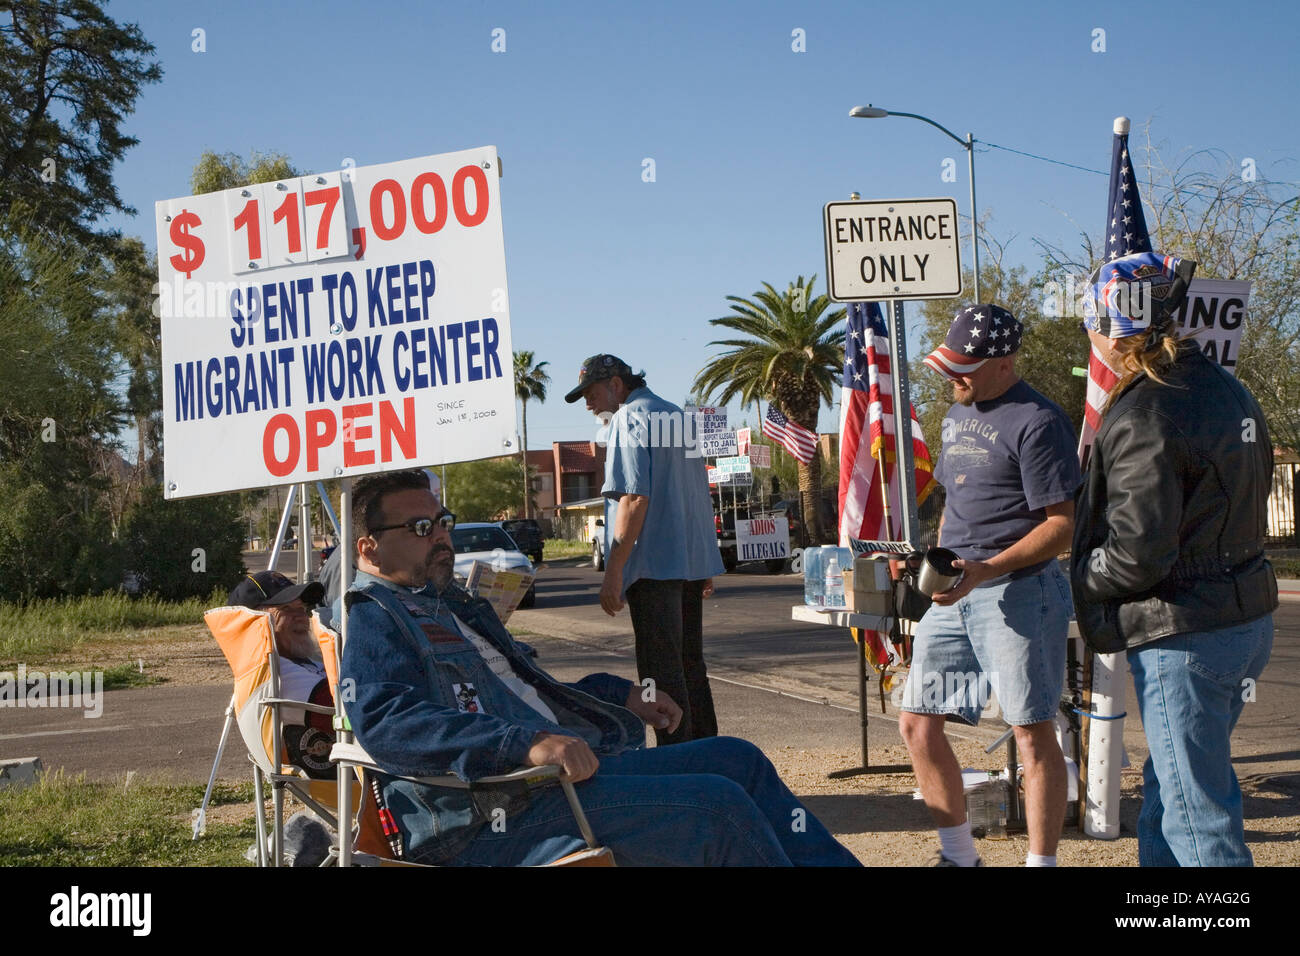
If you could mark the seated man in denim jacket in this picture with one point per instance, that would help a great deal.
(440, 686)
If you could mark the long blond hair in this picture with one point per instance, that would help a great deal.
(1152, 355)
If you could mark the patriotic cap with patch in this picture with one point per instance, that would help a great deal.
(1131, 294)
(977, 334)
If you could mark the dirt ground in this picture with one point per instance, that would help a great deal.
(877, 817)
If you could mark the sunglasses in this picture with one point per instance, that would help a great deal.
(422, 527)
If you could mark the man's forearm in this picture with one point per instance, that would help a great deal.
(628, 523)
(1046, 541)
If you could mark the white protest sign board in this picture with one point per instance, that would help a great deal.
(760, 539)
(1214, 312)
(335, 325)
(760, 456)
(743, 438)
(711, 432)
(719, 443)
(892, 249)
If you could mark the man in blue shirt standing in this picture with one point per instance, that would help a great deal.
(1009, 471)
(663, 551)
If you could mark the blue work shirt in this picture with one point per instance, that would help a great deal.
(647, 454)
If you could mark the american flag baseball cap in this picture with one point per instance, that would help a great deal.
(977, 334)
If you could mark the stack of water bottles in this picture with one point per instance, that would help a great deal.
(823, 575)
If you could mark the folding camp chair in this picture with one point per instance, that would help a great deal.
(376, 839)
(247, 638)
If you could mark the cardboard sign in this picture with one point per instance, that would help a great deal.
(335, 325)
(761, 539)
(760, 456)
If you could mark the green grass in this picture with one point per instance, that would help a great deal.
(127, 675)
(554, 548)
(1286, 567)
(66, 821)
(43, 629)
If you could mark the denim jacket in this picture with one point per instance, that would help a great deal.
(425, 703)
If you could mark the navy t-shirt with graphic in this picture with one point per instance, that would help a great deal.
(1003, 462)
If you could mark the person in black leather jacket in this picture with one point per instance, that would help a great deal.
(1168, 555)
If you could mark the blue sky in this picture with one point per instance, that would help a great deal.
(749, 138)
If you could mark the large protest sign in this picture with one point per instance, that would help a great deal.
(1213, 315)
(335, 325)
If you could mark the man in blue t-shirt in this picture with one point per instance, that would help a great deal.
(662, 549)
(1009, 470)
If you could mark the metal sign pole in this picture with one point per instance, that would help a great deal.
(903, 425)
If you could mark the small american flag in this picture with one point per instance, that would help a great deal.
(867, 402)
(792, 436)
(1126, 233)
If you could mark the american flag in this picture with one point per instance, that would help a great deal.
(1126, 233)
(867, 433)
(792, 436)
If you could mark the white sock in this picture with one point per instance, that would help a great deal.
(1033, 859)
(957, 844)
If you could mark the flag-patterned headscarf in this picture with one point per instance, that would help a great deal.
(1138, 293)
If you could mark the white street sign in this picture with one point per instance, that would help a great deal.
(892, 249)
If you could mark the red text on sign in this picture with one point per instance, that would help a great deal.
(321, 429)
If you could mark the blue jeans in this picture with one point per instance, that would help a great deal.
(714, 802)
(1006, 636)
(1191, 689)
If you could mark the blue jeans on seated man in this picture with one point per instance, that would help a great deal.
(1191, 689)
(714, 802)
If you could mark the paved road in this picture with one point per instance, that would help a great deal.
(755, 653)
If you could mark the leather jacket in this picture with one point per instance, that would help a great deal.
(1171, 517)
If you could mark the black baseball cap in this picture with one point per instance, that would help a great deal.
(263, 588)
(597, 369)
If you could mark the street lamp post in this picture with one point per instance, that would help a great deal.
(875, 112)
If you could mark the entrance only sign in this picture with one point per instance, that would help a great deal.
(335, 325)
(892, 249)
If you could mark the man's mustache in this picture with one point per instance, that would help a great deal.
(441, 548)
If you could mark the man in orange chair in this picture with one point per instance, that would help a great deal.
(302, 675)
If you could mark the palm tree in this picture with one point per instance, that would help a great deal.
(792, 356)
(530, 382)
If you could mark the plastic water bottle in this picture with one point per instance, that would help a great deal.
(986, 807)
(834, 579)
(996, 828)
(814, 584)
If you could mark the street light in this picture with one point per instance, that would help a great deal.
(875, 112)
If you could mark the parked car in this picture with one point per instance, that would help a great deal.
(596, 534)
(491, 544)
(528, 535)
